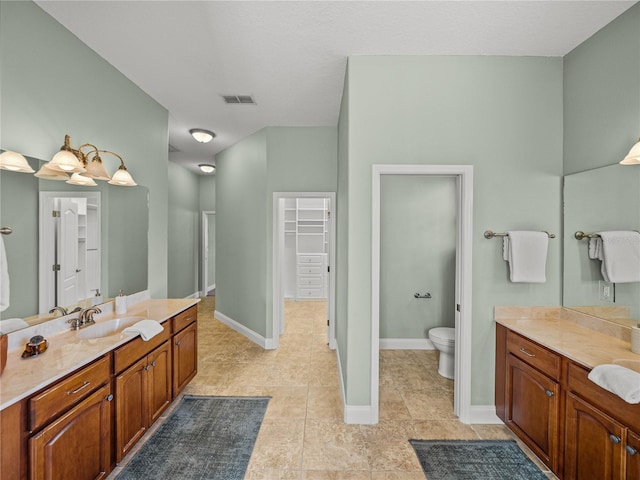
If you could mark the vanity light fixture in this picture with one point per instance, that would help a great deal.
(206, 168)
(48, 174)
(79, 179)
(14, 162)
(633, 157)
(71, 160)
(201, 135)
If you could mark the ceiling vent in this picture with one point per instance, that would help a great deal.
(239, 99)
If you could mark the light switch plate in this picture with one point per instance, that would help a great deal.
(606, 291)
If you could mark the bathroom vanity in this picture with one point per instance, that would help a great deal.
(542, 393)
(74, 411)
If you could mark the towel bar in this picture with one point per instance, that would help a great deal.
(6, 230)
(488, 234)
(581, 235)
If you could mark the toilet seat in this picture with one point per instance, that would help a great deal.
(443, 334)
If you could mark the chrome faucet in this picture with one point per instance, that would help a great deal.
(62, 310)
(84, 319)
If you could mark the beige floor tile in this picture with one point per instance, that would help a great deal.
(273, 474)
(279, 445)
(387, 475)
(286, 402)
(332, 475)
(333, 445)
(392, 405)
(324, 402)
(428, 404)
(443, 430)
(493, 432)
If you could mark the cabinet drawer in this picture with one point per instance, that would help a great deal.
(127, 354)
(310, 281)
(309, 258)
(535, 355)
(310, 292)
(55, 400)
(308, 270)
(185, 318)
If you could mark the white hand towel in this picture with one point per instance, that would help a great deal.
(595, 248)
(526, 253)
(4, 278)
(620, 256)
(146, 328)
(621, 381)
(8, 325)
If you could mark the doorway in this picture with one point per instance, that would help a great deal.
(303, 254)
(461, 307)
(208, 254)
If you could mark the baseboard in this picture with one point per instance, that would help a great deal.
(266, 343)
(406, 344)
(353, 414)
(194, 295)
(483, 414)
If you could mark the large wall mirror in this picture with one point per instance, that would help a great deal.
(606, 198)
(105, 235)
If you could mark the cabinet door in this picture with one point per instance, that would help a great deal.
(132, 411)
(185, 357)
(593, 443)
(633, 455)
(532, 407)
(77, 446)
(159, 381)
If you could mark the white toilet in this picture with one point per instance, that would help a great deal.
(444, 339)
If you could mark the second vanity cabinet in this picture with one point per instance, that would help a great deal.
(578, 429)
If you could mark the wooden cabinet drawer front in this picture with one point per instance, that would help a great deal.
(578, 382)
(185, 318)
(58, 398)
(534, 354)
(137, 348)
(309, 258)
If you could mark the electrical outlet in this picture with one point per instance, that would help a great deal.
(607, 291)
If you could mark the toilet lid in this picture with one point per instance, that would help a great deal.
(446, 334)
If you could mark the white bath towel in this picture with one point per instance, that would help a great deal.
(620, 256)
(4, 278)
(526, 252)
(146, 328)
(619, 380)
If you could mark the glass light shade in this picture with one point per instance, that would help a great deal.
(14, 162)
(77, 179)
(95, 169)
(47, 174)
(207, 168)
(122, 177)
(65, 161)
(202, 136)
(633, 157)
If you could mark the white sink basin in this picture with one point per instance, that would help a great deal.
(630, 364)
(106, 328)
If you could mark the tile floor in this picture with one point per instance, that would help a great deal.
(303, 436)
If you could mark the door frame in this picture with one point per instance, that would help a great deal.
(204, 257)
(463, 299)
(277, 271)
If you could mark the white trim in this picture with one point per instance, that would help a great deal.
(484, 414)
(464, 174)
(204, 257)
(256, 338)
(276, 264)
(406, 344)
(354, 414)
(194, 295)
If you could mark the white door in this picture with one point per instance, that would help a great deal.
(208, 252)
(67, 253)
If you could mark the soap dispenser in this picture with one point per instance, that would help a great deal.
(121, 303)
(97, 298)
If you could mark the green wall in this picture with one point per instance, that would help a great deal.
(417, 254)
(503, 115)
(46, 91)
(184, 232)
(602, 95)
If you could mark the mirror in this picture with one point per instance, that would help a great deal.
(123, 230)
(606, 198)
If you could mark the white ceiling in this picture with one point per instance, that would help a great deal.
(291, 55)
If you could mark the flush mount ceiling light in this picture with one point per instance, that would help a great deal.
(202, 136)
(206, 168)
(14, 162)
(633, 157)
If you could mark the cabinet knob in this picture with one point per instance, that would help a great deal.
(147, 367)
(109, 397)
(153, 364)
(549, 393)
(613, 438)
(177, 344)
(630, 450)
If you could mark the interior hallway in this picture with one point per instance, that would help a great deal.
(303, 436)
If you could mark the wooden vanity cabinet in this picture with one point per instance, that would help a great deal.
(632, 450)
(532, 396)
(143, 392)
(185, 348)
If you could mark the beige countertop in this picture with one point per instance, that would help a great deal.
(66, 352)
(579, 343)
